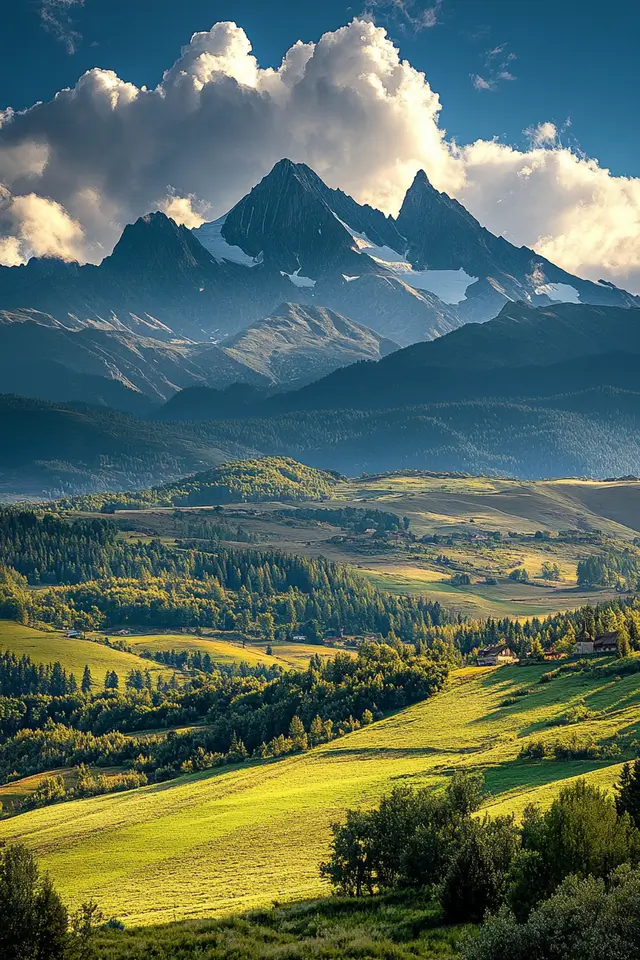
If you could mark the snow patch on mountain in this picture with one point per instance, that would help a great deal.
(449, 285)
(297, 280)
(562, 292)
(210, 236)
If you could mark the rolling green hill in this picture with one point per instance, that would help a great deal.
(264, 478)
(47, 646)
(223, 651)
(172, 851)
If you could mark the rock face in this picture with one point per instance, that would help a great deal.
(298, 344)
(159, 280)
(413, 278)
(41, 357)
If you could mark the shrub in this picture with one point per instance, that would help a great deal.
(534, 750)
(579, 834)
(586, 918)
(476, 879)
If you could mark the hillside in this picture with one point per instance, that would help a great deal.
(483, 527)
(73, 654)
(593, 433)
(298, 344)
(171, 851)
(523, 352)
(52, 449)
(226, 652)
(104, 363)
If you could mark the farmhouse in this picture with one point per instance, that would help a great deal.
(492, 656)
(584, 646)
(606, 643)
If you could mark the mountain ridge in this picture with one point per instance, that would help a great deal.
(412, 278)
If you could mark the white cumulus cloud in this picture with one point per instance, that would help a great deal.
(104, 152)
(36, 226)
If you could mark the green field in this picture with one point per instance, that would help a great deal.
(465, 508)
(227, 652)
(47, 646)
(504, 599)
(241, 837)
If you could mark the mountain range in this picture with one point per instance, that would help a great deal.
(145, 317)
(303, 323)
(82, 361)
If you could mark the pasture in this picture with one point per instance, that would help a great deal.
(226, 651)
(239, 837)
(462, 513)
(49, 646)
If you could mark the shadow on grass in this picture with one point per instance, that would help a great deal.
(517, 775)
(386, 752)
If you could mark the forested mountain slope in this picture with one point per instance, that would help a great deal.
(523, 352)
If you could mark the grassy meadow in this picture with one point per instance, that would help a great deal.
(240, 837)
(47, 646)
(226, 651)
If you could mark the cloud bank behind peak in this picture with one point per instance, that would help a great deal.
(75, 170)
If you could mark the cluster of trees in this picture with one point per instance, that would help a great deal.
(84, 783)
(106, 580)
(241, 716)
(420, 839)
(202, 662)
(20, 676)
(354, 519)
(610, 569)
(265, 478)
(550, 571)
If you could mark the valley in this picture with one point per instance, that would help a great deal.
(236, 839)
(482, 527)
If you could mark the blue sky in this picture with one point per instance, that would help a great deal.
(572, 60)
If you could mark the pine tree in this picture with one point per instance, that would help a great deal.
(628, 798)
(87, 681)
(237, 751)
(624, 646)
(297, 734)
(316, 731)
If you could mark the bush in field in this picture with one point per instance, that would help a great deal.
(586, 918)
(33, 919)
(476, 879)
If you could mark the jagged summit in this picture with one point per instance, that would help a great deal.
(156, 239)
(292, 237)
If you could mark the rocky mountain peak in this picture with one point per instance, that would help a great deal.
(155, 240)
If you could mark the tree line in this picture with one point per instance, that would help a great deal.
(101, 579)
(494, 868)
(233, 717)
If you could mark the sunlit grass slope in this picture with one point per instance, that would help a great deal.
(241, 837)
(44, 646)
(225, 652)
